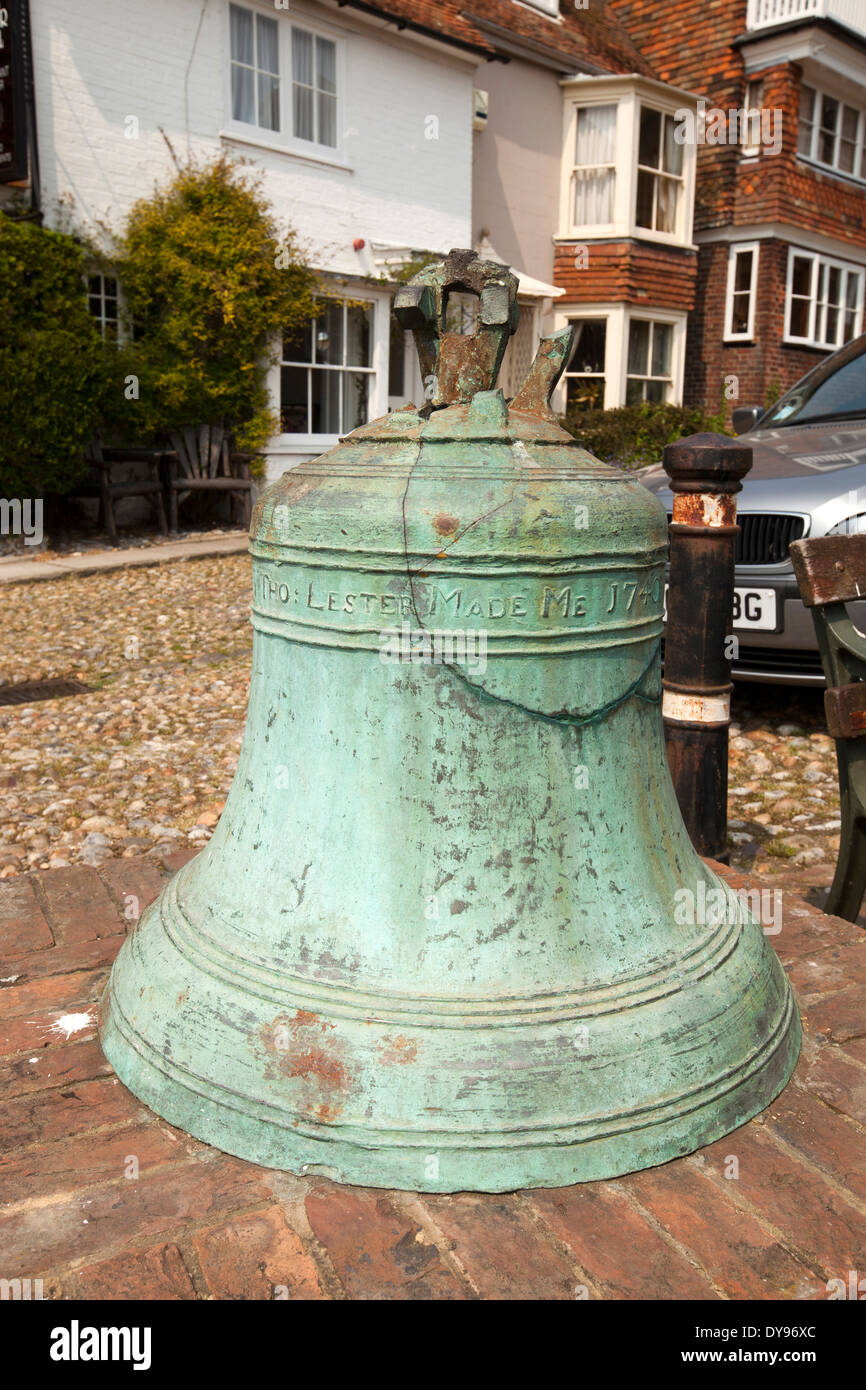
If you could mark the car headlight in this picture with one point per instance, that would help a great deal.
(850, 526)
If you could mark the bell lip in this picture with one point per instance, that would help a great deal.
(493, 1167)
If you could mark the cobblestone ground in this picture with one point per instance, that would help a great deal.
(143, 763)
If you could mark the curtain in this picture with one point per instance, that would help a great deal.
(594, 176)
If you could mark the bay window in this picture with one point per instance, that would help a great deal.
(832, 132)
(327, 369)
(824, 300)
(284, 79)
(628, 160)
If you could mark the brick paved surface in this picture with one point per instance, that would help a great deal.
(102, 1200)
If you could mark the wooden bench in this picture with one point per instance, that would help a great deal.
(101, 487)
(205, 462)
(831, 571)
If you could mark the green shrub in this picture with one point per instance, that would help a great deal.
(210, 283)
(53, 366)
(631, 436)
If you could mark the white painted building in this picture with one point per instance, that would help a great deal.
(364, 135)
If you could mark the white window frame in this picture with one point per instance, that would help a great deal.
(741, 248)
(100, 319)
(832, 263)
(652, 318)
(752, 108)
(284, 138)
(291, 446)
(657, 175)
(812, 156)
(629, 94)
(618, 318)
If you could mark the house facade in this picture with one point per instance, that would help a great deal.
(535, 130)
(780, 210)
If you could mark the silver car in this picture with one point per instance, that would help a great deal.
(808, 478)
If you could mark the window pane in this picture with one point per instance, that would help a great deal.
(269, 102)
(266, 33)
(589, 346)
(849, 330)
(293, 400)
(848, 140)
(355, 387)
(829, 120)
(302, 112)
(831, 330)
(329, 333)
(359, 320)
(634, 391)
(740, 313)
(806, 120)
(662, 336)
(596, 135)
(802, 277)
(110, 284)
(298, 347)
(584, 393)
(593, 197)
(649, 148)
(851, 290)
(326, 402)
(834, 284)
(638, 347)
(302, 56)
(645, 193)
(243, 95)
(743, 271)
(397, 360)
(666, 212)
(326, 66)
(672, 158)
(241, 22)
(655, 392)
(327, 120)
(800, 318)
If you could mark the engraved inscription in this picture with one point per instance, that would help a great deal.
(556, 603)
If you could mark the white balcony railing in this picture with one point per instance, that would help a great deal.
(761, 14)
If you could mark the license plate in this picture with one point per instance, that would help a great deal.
(753, 608)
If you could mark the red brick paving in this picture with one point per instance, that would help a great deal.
(103, 1200)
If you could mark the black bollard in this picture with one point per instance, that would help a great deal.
(705, 472)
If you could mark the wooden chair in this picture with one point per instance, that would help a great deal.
(831, 571)
(204, 461)
(102, 461)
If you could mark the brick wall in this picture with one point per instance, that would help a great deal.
(763, 367)
(626, 271)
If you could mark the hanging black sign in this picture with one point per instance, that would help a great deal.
(13, 132)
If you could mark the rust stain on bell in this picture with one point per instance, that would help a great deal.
(450, 932)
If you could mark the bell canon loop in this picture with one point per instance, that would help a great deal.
(450, 932)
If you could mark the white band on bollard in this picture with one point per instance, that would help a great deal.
(696, 709)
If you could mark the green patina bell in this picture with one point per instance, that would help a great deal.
(450, 932)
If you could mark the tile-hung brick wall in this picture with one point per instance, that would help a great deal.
(775, 200)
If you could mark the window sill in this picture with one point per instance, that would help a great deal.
(590, 234)
(819, 168)
(813, 347)
(738, 339)
(292, 151)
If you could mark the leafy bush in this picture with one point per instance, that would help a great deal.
(210, 282)
(53, 366)
(631, 436)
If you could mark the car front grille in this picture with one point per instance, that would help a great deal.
(765, 537)
(778, 661)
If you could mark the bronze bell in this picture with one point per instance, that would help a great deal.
(437, 940)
